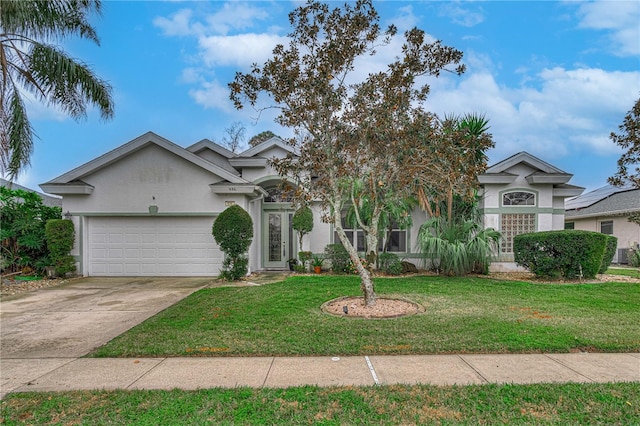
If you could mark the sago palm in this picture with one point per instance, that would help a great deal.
(32, 63)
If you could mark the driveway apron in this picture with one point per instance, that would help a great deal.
(71, 320)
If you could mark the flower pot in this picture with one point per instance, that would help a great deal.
(317, 269)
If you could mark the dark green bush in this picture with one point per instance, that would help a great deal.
(233, 232)
(302, 222)
(22, 230)
(610, 251)
(60, 234)
(339, 258)
(567, 253)
(390, 263)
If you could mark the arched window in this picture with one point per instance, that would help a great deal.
(519, 198)
(278, 194)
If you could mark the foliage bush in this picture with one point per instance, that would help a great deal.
(60, 234)
(459, 247)
(233, 232)
(22, 232)
(567, 253)
(302, 222)
(634, 257)
(339, 258)
(610, 251)
(390, 263)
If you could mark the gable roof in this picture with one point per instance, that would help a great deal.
(265, 146)
(544, 173)
(208, 144)
(604, 201)
(528, 159)
(135, 145)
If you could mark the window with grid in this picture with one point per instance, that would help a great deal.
(515, 224)
(397, 237)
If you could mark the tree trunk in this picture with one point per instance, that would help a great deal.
(366, 283)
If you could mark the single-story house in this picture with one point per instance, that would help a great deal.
(147, 207)
(607, 210)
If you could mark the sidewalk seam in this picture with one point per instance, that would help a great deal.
(266, 377)
(372, 370)
(484, 379)
(146, 373)
(30, 382)
(569, 367)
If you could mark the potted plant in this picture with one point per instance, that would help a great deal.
(292, 263)
(317, 264)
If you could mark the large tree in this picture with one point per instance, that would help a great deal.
(628, 139)
(32, 62)
(356, 140)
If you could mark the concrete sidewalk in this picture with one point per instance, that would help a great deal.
(63, 374)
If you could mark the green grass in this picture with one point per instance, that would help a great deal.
(544, 404)
(463, 315)
(628, 272)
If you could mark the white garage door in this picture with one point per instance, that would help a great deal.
(153, 246)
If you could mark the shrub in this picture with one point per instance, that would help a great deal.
(634, 257)
(610, 251)
(302, 221)
(60, 234)
(339, 258)
(22, 230)
(458, 247)
(567, 253)
(233, 232)
(390, 263)
(305, 257)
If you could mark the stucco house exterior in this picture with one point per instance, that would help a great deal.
(607, 210)
(523, 194)
(147, 207)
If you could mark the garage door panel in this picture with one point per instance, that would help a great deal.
(151, 246)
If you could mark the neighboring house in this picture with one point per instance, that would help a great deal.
(523, 194)
(607, 210)
(47, 200)
(147, 207)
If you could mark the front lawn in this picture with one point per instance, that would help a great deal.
(541, 404)
(463, 315)
(627, 272)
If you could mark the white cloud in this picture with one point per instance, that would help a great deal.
(236, 16)
(179, 24)
(621, 18)
(238, 50)
(212, 94)
(567, 112)
(463, 16)
(232, 16)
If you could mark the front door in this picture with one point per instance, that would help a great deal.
(278, 240)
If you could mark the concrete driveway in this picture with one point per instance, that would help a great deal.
(71, 320)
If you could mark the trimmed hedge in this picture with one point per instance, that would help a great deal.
(610, 251)
(567, 253)
(233, 232)
(60, 234)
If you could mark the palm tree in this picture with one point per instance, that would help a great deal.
(31, 62)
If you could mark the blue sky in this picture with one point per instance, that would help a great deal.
(554, 78)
